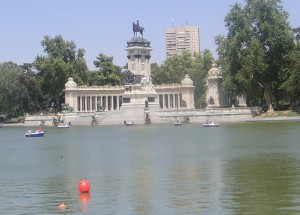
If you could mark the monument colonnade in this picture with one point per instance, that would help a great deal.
(108, 98)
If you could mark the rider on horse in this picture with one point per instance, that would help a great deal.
(137, 28)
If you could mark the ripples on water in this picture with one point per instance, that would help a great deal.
(234, 169)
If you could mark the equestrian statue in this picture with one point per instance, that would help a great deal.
(137, 29)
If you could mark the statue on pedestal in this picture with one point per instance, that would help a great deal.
(137, 28)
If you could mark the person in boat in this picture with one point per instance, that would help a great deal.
(29, 131)
(38, 130)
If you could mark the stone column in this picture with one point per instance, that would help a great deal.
(118, 102)
(112, 102)
(85, 104)
(180, 100)
(76, 104)
(174, 106)
(80, 104)
(136, 64)
(106, 102)
(93, 103)
(213, 84)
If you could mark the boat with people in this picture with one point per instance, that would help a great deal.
(129, 123)
(178, 123)
(211, 124)
(38, 133)
(63, 126)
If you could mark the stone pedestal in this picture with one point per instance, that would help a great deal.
(139, 97)
(135, 96)
(214, 94)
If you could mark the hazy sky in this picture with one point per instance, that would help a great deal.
(105, 26)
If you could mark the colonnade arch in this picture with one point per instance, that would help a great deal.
(170, 101)
(98, 103)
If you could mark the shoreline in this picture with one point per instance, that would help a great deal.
(255, 119)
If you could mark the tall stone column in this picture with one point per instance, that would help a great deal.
(118, 102)
(174, 106)
(106, 102)
(214, 94)
(112, 103)
(75, 107)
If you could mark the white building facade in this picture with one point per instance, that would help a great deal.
(182, 38)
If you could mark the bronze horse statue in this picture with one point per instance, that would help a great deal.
(137, 29)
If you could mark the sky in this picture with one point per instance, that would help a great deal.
(105, 26)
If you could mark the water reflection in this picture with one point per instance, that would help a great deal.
(268, 184)
(84, 199)
(234, 169)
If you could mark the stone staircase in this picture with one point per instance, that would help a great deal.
(136, 113)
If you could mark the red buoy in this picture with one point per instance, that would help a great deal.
(84, 186)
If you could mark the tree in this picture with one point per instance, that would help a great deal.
(62, 61)
(173, 69)
(292, 85)
(31, 96)
(108, 73)
(257, 50)
(10, 92)
(176, 67)
(201, 65)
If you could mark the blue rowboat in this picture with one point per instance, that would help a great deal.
(35, 134)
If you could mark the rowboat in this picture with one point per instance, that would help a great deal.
(211, 124)
(35, 134)
(129, 123)
(177, 123)
(63, 126)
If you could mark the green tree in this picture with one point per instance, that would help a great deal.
(32, 97)
(292, 85)
(108, 73)
(10, 91)
(173, 69)
(201, 65)
(176, 67)
(62, 60)
(257, 50)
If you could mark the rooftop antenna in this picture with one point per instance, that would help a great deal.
(186, 22)
(172, 22)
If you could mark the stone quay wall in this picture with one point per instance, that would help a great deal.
(238, 114)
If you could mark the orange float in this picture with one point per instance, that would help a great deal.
(62, 206)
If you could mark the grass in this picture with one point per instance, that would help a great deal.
(287, 113)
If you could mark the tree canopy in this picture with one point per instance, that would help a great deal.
(257, 51)
(62, 60)
(292, 85)
(176, 67)
(107, 73)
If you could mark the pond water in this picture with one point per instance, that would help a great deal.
(244, 168)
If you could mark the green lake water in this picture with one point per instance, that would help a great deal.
(244, 168)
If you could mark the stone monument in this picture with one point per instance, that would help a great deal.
(139, 94)
(214, 93)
